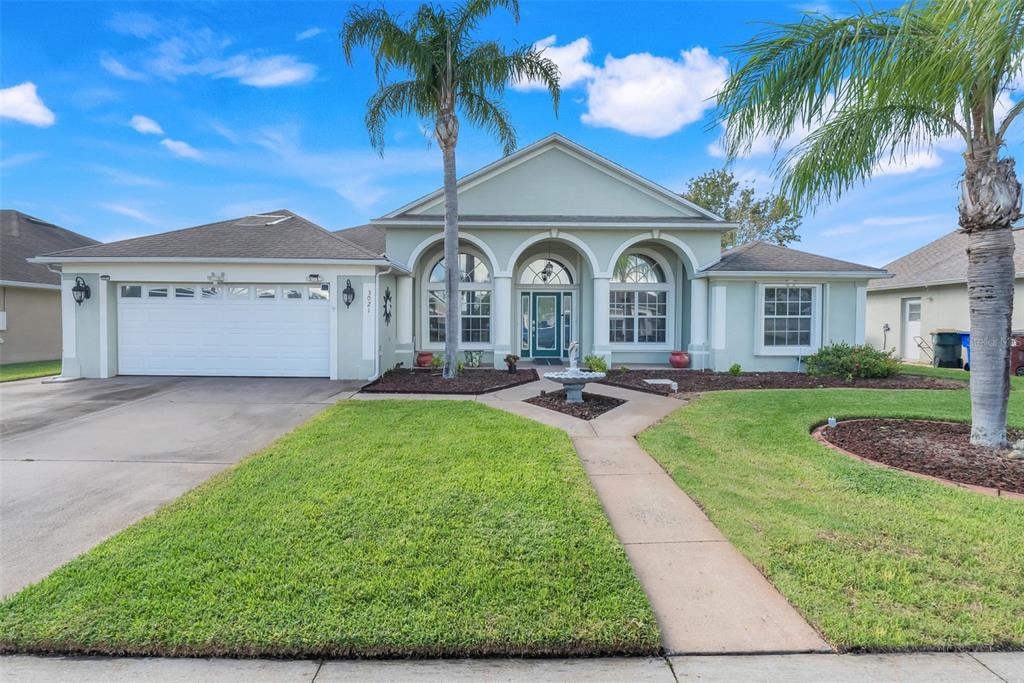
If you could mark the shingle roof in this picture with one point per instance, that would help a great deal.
(275, 235)
(22, 237)
(760, 256)
(535, 218)
(941, 261)
(367, 236)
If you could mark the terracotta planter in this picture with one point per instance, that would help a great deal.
(424, 358)
(679, 359)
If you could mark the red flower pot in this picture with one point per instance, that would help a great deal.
(679, 359)
(424, 358)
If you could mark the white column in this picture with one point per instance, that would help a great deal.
(698, 348)
(501, 319)
(333, 368)
(602, 346)
(404, 304)
(103, 292)
(69, 330)
(862, 303)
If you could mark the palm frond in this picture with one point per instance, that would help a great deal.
(391, 44)
(492, 117)
(396, 99)
(469, 14)
(490, 68)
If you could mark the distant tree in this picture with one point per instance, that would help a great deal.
(771, 218)
(450, 75)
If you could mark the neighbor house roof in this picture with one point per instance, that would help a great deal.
(762, 257)
(367, 236)
(22, 237)
(273, 235)
(943, 261)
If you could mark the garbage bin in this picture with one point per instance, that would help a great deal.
(1017, 356)
(965, 341)
(947, 349)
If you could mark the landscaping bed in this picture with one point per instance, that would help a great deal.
(697, 381)
(430, 381)
(937, 449)
(376, 529)
(875, 558)
(593, 404)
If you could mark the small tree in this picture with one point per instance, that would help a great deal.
(771, 218)
(450, 74)
(877, 86)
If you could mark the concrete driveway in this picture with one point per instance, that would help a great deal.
(80, 461)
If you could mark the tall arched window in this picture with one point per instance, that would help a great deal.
(474, 300)
(545, 271)
(638, 301)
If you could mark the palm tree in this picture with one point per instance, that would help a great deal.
(450, 74)
(878, 86)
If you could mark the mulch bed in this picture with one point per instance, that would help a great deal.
(695, 381)
(593, 404)
(430, 381)
(937, 449)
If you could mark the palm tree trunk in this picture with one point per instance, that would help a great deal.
(447, 129)
(989, 204)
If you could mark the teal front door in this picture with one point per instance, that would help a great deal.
(546, 326)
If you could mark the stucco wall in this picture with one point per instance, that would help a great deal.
(942, 307)
(387, 326)
(33, 324)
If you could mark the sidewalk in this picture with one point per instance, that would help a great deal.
(992, 667)
(707, 598)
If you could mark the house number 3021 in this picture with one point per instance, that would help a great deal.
(369, 302)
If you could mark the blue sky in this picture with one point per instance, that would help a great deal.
(123, 119)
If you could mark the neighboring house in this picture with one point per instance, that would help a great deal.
(557, 244)
(927, 293)
(30, 292)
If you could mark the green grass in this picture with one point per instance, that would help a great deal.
(43, 368)
(379, 528)
(875, 559)
(951, 373)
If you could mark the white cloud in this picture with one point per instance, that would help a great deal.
(126, 178)
(180, 48)
(909, 163)
(120, 70)
(22, 103)
(309, 33)
(181, 149)
(571, 59)
(146, 125)
(129, 211)
(881, 222)
(11, 160)
(651, 96)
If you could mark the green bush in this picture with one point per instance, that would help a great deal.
(735, 370)
(852, 362)
(437, 362)
(595, 363)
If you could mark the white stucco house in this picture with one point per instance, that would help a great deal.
(557, 244)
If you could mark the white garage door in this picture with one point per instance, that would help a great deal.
(241, 330)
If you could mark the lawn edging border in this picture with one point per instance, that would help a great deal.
(817, 432)
(369, 388)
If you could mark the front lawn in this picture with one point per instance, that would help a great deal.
(379, 528)
(42, 368)
(950, 373)
(875, 559)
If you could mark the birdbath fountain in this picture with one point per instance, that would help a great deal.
(573, 379)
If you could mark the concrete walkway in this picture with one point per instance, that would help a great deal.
(707, 598)
(991, 667)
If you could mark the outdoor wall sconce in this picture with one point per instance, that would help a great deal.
(348, 295)
(80, 291)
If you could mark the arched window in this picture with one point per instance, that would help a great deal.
(474, 300)
(545, 271)
(639, 301)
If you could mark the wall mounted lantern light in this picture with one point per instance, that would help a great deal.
(348, 295)
(80, 291)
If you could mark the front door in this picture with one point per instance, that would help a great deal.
(911, 329)
(545, 325)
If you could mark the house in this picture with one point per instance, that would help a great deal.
(556, 244)
(927, 292)
(30, 292)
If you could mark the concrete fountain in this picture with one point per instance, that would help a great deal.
(574, 379)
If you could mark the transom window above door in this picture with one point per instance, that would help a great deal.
(545, 271)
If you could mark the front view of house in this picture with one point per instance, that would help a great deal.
(557, 244)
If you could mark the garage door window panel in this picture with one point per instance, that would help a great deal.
(156, 292)
(131, 291)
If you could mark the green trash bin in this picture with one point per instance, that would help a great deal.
(948, 349)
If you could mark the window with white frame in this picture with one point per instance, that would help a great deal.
(474, 300)
(638, 303)
(790, 318)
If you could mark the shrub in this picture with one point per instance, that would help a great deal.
(511, 359)
(852, 362)
(735, 370)
(437, 362)
(595, 363)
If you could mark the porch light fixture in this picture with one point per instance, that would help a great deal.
(546, 272)
(81, 291)
(348, 295)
